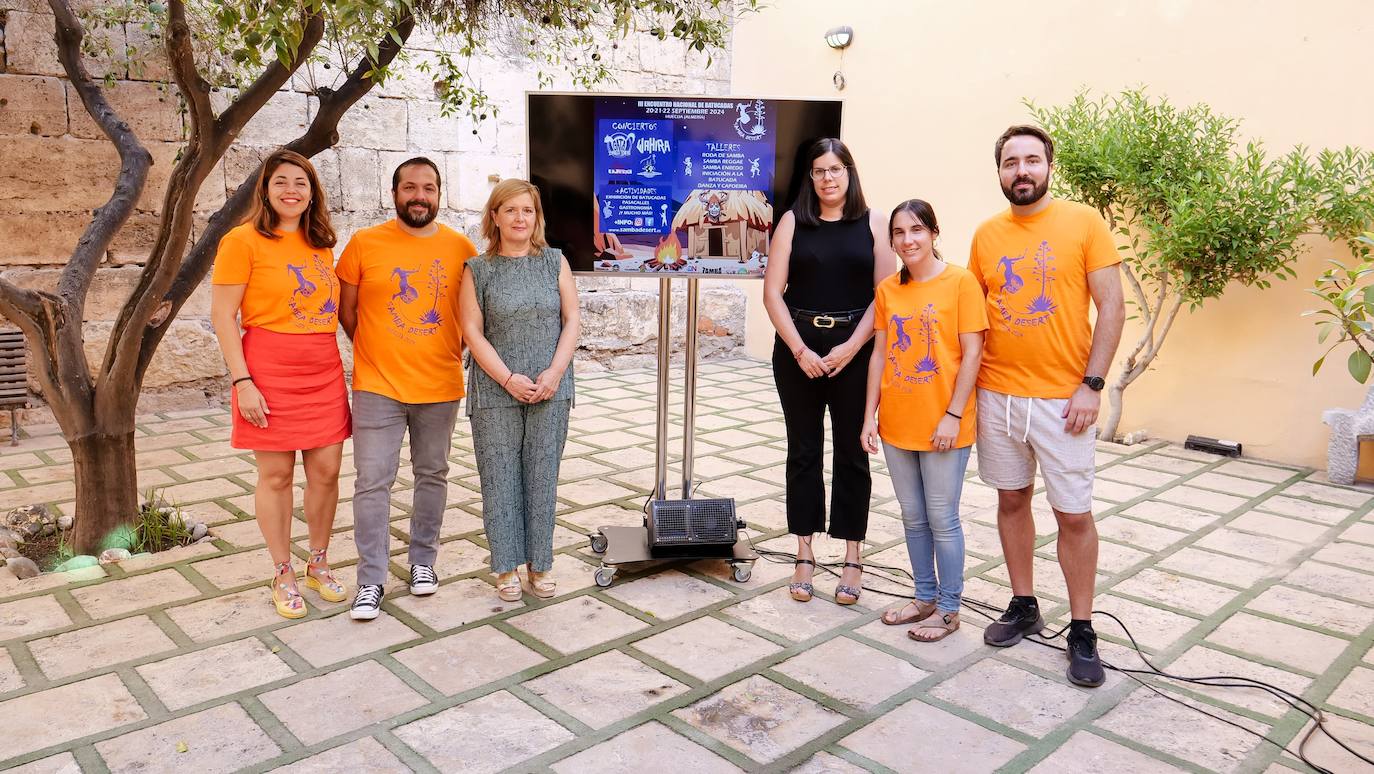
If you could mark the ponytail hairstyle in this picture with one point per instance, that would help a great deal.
(924, 214)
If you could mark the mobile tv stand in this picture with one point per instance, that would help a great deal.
(688, 528)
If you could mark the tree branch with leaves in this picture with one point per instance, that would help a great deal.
(1347, 294)
(1194, 210)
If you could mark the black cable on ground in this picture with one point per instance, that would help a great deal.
(1312, 711)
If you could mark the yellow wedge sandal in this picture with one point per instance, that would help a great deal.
(319, 579)
(285, 597)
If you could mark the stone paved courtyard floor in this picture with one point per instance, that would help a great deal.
(178, 663)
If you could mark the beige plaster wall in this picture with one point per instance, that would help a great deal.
(931, 85)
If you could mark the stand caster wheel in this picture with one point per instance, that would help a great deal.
(599, 543)
(741, 573)
(604, 576)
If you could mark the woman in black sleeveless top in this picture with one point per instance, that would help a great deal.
(828, 254)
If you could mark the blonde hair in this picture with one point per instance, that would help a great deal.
(502, 193)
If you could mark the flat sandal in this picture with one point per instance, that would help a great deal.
(894, 617)
(945, 623)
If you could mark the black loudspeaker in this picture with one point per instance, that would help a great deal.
(692, 523)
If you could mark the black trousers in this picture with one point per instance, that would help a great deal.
(804, 403)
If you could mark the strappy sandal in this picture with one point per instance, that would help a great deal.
(287, 600)
(848, 595)
(540, 585)
(508, 586)
(802, 592)
(944, 624)
(318, 578)
(894, 616)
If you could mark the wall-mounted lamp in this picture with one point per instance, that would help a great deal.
(839, 39)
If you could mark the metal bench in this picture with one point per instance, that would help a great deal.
(14, 378)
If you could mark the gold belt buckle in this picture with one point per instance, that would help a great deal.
(829, 322)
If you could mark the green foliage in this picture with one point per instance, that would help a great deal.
(236, 41)
(159, 526)
(1348, 297)
(1199, 210)
(64, 550)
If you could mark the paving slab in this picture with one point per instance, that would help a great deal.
(650, 747)
(219, 739)
(760, 718)
(341, 701)
(99, 646)
(44, 719)
(489, 734)
(214, 672)
(964, 746)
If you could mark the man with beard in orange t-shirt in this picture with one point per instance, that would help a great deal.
(1040, 263)
(399, 303)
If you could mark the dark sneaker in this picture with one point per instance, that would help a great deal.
(367, 603)
(1085, 668)
(423, 581)
(1019, 620)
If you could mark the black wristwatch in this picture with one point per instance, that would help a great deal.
(1095, 383)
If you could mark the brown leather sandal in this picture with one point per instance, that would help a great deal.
(943, 624)
(895, 617)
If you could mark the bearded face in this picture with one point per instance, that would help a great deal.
(1024, 170)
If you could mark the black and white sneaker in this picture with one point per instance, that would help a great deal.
(367, 604)
(423, 581)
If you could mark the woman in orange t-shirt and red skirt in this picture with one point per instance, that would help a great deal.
(274, 275)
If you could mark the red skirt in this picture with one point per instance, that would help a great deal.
(301, 379)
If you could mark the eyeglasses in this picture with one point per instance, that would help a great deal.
(836, 171)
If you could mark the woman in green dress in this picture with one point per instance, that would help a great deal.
(519, 314)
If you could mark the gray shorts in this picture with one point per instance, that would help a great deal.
(1016, 433)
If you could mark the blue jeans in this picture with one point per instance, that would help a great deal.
(928, 484)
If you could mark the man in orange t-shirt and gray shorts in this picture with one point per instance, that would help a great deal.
(398, 301)
(1039, 391)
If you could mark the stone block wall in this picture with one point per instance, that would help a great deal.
(56, 167)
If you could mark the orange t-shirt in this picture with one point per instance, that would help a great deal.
(407, 345)
(922, 322)
(1035, 273)
(291, 285)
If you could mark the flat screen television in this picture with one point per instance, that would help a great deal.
(653, 185)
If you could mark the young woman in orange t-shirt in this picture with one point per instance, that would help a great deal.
(928, 343)
(274, 274)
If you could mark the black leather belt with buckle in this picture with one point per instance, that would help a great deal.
(827, 319)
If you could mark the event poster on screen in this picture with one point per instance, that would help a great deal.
(683, 185)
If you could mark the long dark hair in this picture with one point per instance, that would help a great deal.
(921, 210)
(315, 225)
(807, 208)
